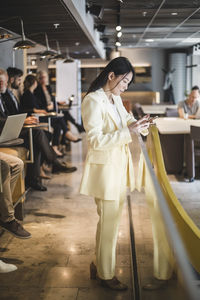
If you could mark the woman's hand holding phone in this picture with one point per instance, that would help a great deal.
(142, 125)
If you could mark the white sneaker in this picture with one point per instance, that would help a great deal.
(6, 268)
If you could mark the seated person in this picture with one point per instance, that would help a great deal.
(29, 104)
(191, 105)
(8, 106)
(68, 117)
(10, 167)
(47, 101)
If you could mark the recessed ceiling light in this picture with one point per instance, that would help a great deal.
(77, 43)
(149, 40)
(118, 28)
(144, 13)
(119, 34)
(118, 44)
(87, 52)
(134, 36)
(56, 25)
(93, 56)
(174, 13)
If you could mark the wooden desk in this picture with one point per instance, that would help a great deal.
(176, 144)
(156, 109)
(47, 117)
(175, 125)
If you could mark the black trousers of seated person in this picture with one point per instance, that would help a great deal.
(58, 124)
(42, 148)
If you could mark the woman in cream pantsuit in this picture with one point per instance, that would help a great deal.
(108, 167)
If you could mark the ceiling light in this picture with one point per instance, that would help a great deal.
(23, 44)
(104, 40)
(77, 43)
(144, 13)
(93, 56)
(95, 10)
(119, 34)
(101, 28)
(47, 52)
(56, 25)
(117, 43)
(149, 40)
(59, 54)
(174, 13)
(68, 58)
(118, 28)
(87, 52)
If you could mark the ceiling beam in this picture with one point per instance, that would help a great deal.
(85, 21)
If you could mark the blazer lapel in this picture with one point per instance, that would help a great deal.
(107, 105)
(118, 104)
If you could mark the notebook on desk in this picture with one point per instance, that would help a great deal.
(12, 127)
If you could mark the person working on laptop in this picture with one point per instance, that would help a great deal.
(189, 107)
(10, 167)
(40, 140)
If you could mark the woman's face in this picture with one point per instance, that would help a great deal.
(118, 84)
(43, 78)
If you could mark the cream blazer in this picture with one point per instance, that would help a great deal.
(108, 152)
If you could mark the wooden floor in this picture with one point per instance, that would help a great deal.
(54, 263)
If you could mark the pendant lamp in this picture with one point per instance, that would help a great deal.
(24, 43)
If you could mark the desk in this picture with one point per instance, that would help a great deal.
(64, 107)
(48, 116)
(176, 144)
(156, 109)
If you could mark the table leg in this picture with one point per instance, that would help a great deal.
(189, 157)
(31, 160)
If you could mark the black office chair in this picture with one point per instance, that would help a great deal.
(171, 112)
(137, 111)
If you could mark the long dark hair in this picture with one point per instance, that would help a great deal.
(29, 81)
(120, 66)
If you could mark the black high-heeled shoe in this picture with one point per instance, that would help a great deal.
(74, 141)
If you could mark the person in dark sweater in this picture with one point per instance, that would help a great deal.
(47, 101)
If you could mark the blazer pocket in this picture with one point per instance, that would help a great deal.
(98, 157)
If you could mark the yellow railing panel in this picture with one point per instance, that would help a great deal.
(189, 232)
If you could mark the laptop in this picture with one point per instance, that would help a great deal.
(12, 127)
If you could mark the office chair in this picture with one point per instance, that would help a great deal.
(137, 111)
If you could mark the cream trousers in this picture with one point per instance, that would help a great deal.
(107, 231)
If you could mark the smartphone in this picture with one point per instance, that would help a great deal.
(152, 119)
